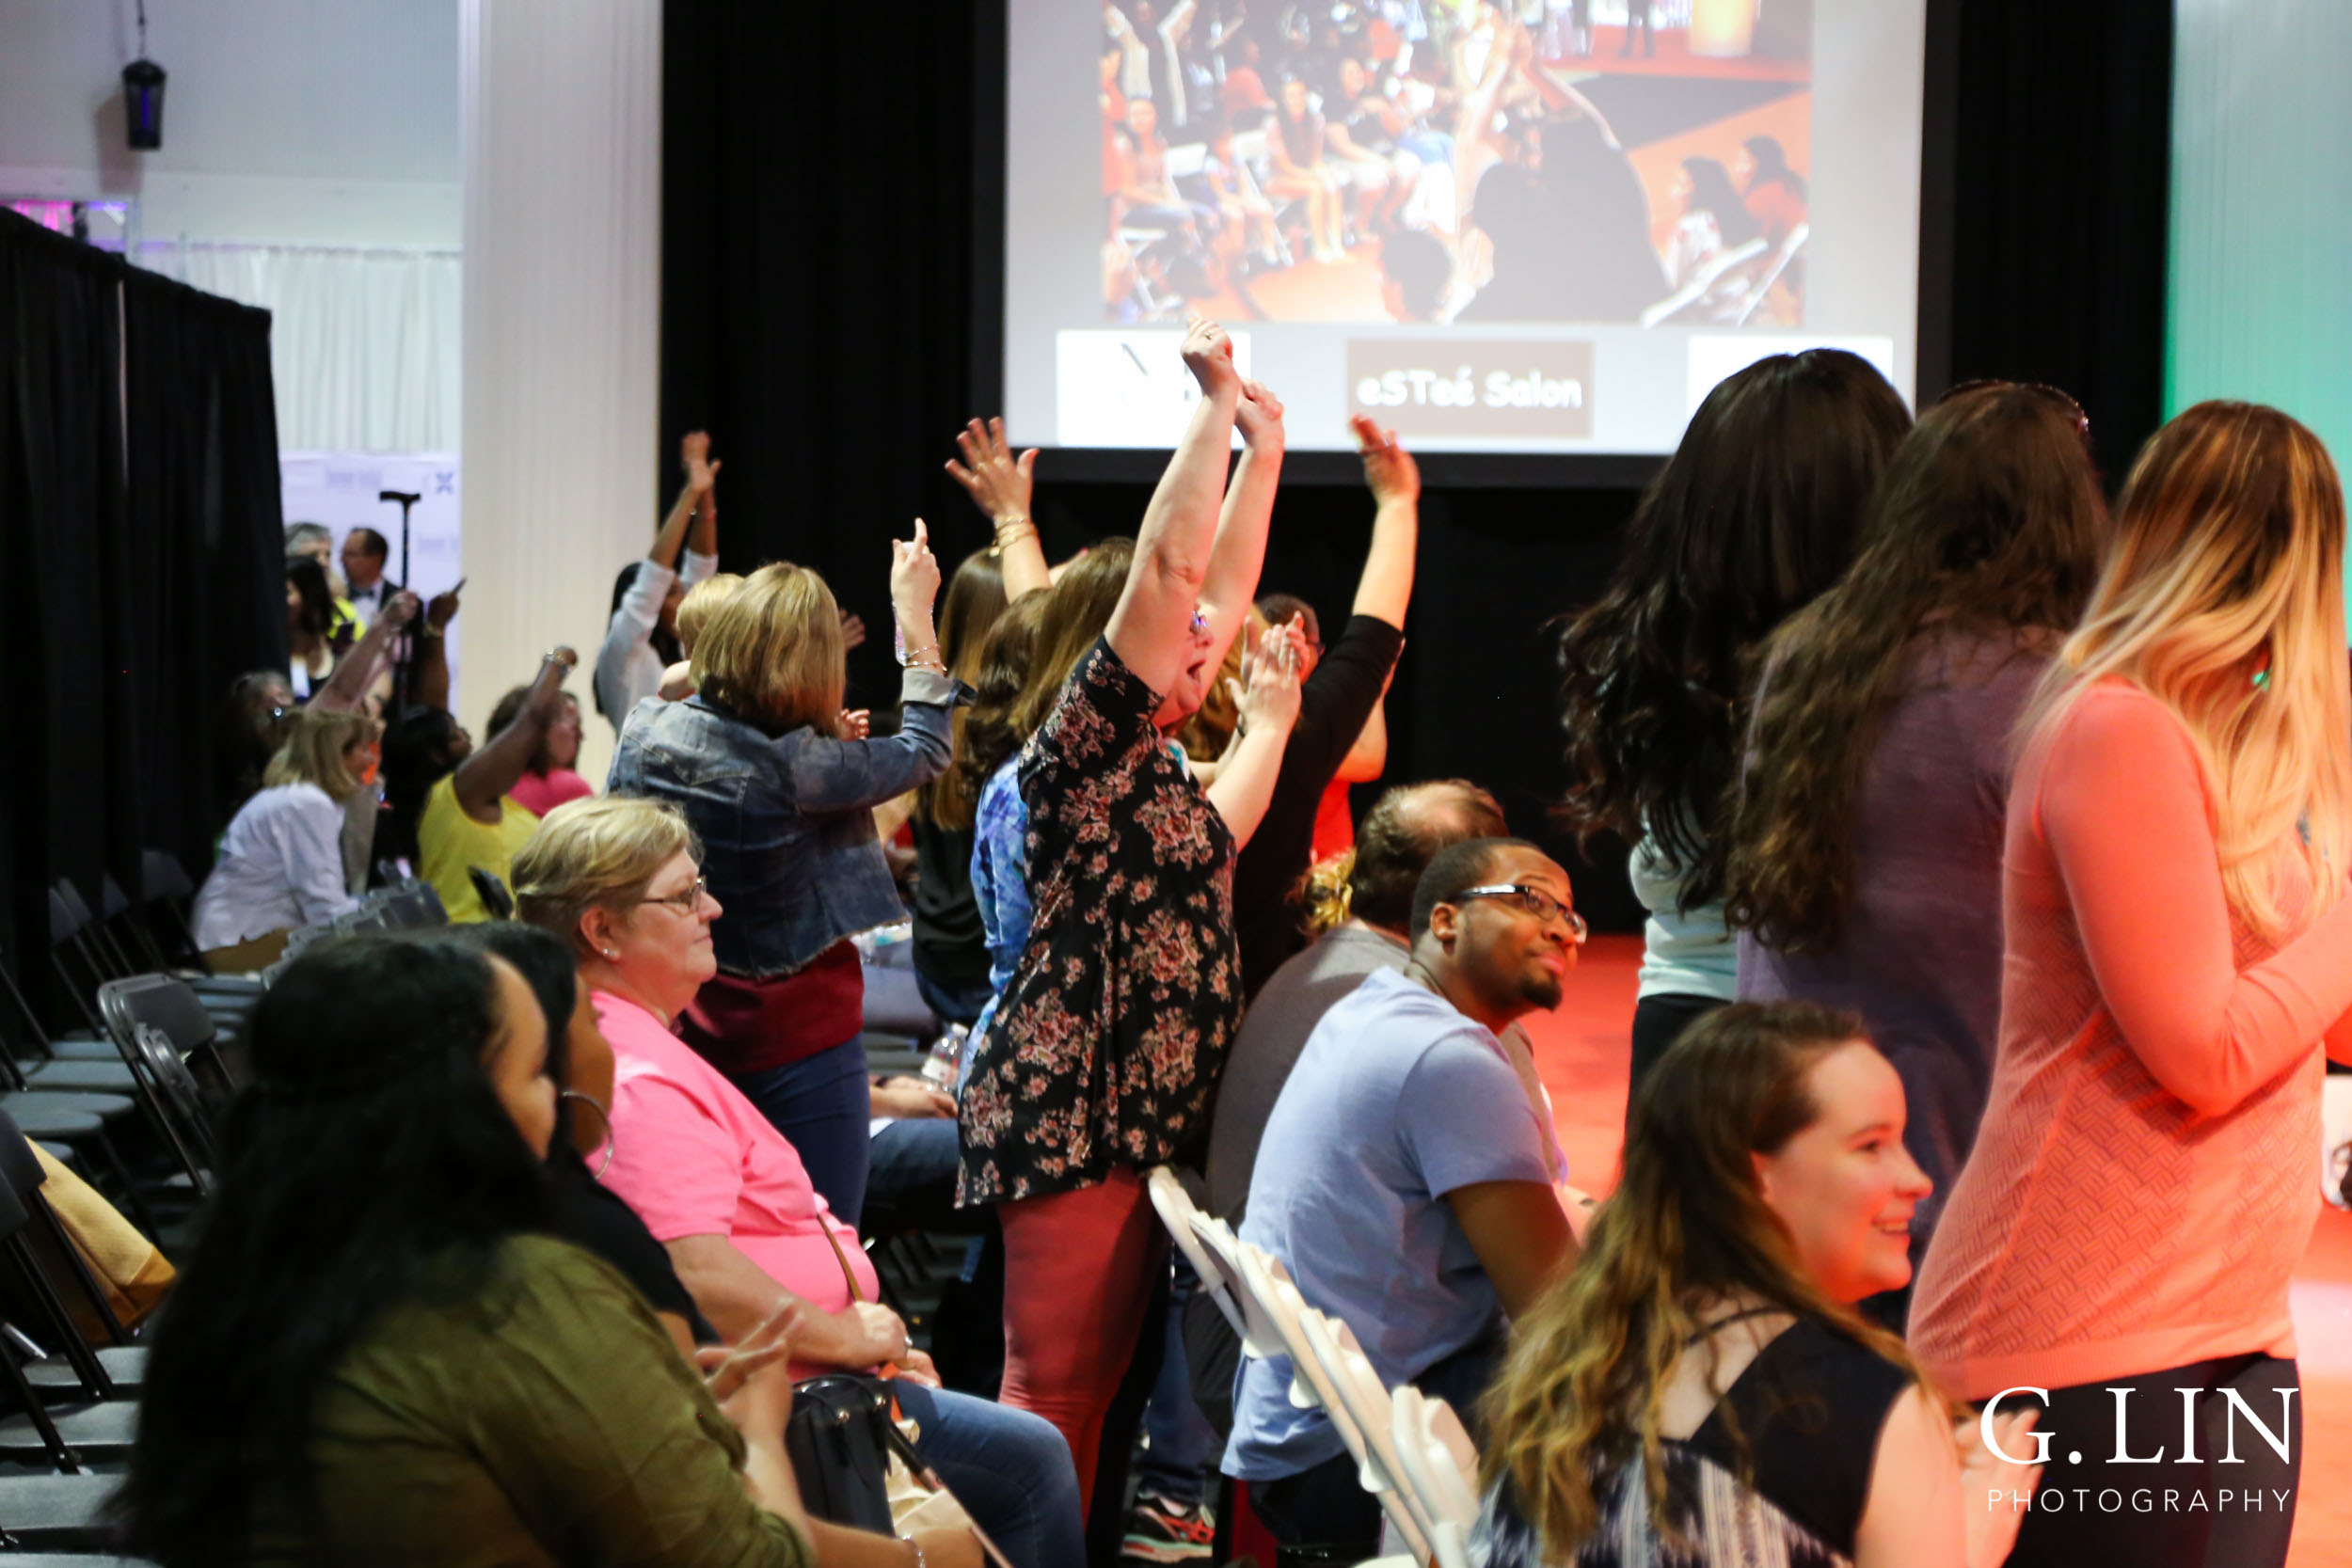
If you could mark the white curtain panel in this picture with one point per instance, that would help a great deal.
(364, 344)
(563, 157)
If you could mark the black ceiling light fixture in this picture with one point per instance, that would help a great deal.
(143, 95)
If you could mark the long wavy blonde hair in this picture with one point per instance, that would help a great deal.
(2229, 547)
(1582, 1394)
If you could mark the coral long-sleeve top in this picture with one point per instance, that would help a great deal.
(2143, 1182)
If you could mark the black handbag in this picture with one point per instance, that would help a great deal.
(839, 1439)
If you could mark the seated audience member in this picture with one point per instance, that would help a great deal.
(379, 1355)
(694, 612)
(318, 638)
(1704, 1377)
(1773, 193)
(260, 708)
(1406, 1178)
(1298, 169)
(450, 809)
(1415, 270)
(641, 640)
(1341, 691)
(547, 778)
(365, 555)
(793, 852)
(281, 861)
(729, 1198)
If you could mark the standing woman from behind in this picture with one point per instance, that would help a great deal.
(1106, 1044)
(1865, 866)
(2178, 947)
(784, 804)
(281, 861)
(1701, 1391)
(380, 1354)
(1760, 508)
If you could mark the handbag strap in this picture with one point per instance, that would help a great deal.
(847, 1274)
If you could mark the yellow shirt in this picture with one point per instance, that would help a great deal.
(448, 842)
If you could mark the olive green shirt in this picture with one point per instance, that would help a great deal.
(553, 1423)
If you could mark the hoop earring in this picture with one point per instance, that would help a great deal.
(603, 1115)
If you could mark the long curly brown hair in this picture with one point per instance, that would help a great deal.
(1758, 511)
(1990, 522)
(1584, 1390)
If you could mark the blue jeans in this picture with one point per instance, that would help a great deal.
(1010, 1469)
(821, 1104)
(1180, 1445)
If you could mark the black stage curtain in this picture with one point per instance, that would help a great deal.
(144, 573)
(825, 258)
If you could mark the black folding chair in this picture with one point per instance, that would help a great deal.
(83, 1369)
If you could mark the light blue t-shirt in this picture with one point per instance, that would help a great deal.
(1396, 1100)
(1683, 955)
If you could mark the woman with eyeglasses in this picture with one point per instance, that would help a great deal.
(2177, 950)
(1865, 851)
(780, 790)
(747, 1230)
(1107, 1043)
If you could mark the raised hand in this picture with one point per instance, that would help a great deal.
(998, 482)
(694, 453)
(1259, 418)
(852, 631)
(1269, 701)
(1389, 471)
(442, 608)
(855, 723)
(1209, 356)
(563, 655)
(913, 580)
(401, 611)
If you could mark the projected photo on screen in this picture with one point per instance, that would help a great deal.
(1494, 225)
(1370, 170)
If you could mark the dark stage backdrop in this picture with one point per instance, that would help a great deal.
(830, 278)
(131, 599)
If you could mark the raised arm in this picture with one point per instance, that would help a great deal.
(1245, 773)
(702, 478)
(1386, 587)
(1369, 757)
(356, 670)
(431, 669)
(694, 453)
(1151, 630)
(493, 767)
(999, 484)
(1237, 558)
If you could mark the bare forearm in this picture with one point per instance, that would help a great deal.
(1237, 556)
(432, 671)
(738, 1296)
(705, 537)
(1369, 757)
(359, 668)
(672, 538)
(1022, 557)
(498, 764)
(1385, 591)
(1149, 628)
(1244, 781)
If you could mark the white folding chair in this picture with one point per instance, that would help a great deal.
(1356, 1388)
(1440, 1470)
(1177, 1212)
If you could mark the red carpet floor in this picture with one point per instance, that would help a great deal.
(1581, 1049)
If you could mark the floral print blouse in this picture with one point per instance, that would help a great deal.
(1108, 1039)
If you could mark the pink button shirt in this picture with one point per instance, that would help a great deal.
(694, 1158)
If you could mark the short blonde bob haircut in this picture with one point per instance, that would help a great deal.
(702, 603)
(774, 652)
(595, 854)
(316, 752)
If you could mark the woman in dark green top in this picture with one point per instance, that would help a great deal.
(374, 1359)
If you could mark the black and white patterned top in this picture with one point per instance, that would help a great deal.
(1809, 1407)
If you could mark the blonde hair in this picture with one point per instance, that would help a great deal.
(774, 652)
(313, 752)
(595, 854)
(2229, 541)
(702, 601)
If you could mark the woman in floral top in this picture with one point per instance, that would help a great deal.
(1109, 1037)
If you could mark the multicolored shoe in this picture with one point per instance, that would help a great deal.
(1166, 1532)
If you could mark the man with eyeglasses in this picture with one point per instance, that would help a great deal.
(1406, 1177)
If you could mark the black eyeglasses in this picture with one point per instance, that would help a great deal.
(1531, 900)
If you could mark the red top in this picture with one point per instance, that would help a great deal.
(744, 1026)
(541, 792)
(2144, 1179)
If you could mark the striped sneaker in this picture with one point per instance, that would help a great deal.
(1164, 1532)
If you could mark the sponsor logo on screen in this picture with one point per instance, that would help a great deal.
(1479, 388)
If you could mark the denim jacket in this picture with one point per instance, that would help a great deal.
(787, 821)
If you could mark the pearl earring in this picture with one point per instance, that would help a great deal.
(609, 953)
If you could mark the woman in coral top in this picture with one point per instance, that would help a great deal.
(2178, 945)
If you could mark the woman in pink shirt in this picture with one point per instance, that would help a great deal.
(2178, 945)
(547, 780)
(620, 879)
